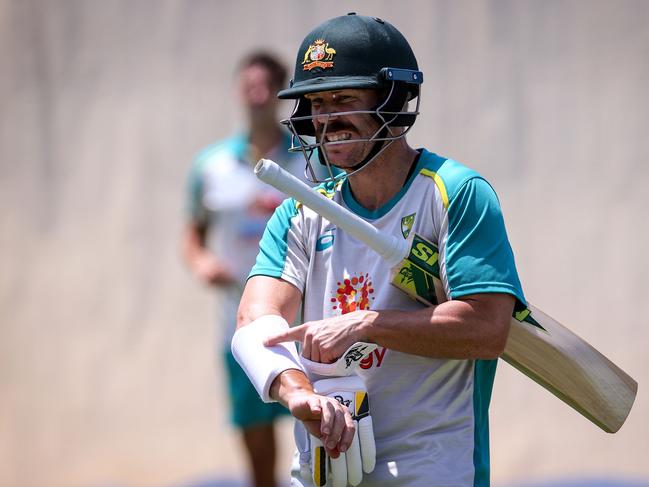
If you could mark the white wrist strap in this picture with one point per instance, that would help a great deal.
(260, 363)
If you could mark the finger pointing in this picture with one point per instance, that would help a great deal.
(290, 335)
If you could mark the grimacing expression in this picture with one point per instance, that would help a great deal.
(337, 128)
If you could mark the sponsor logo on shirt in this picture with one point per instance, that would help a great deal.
(353, 293)
(325, 241)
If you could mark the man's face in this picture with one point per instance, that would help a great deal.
(344, 127)
(258, 92)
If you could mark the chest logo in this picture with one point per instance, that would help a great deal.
(353, 293)
(406, 224)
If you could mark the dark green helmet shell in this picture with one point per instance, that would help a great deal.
(351, 51)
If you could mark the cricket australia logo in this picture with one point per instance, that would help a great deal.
(318, 55)
(406, 224)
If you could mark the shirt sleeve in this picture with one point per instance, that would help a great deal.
(282, 252)
(194, 207)
(478, 257)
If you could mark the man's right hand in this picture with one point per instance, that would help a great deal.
(201, 261)
(323, 417)
(211, 271)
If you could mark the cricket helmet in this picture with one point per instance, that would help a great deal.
(360, 52)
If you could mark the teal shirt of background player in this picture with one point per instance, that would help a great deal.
(226, 197)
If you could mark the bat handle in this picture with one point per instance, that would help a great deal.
(392, 249)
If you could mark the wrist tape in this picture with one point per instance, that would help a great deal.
(260, 363)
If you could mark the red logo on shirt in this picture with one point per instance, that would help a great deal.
(353, 293)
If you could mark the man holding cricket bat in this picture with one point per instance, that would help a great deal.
(388, 392)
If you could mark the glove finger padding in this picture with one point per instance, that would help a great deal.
(360, 457)
(339, 471)
(354, 462)
(365, 432)
(303, 445)
(319, 466)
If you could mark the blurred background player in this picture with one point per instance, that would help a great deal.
(228, 211)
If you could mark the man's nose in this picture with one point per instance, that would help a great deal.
(258, 95)
(323, 116)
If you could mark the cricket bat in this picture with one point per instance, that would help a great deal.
(538, 346)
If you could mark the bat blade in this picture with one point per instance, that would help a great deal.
(570, 368)
(538, 346)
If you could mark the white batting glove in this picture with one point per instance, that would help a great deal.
(344, 366)
(348, 468)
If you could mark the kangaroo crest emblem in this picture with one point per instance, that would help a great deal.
(319, 55)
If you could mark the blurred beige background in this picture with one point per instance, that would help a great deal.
(107, 368)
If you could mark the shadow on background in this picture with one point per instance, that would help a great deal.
(586, 483)
(216, 483)
(552, 483)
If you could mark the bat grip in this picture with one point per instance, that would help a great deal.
(392, 249)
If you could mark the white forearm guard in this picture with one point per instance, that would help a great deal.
(262, 364)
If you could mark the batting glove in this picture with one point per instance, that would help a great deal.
(348, 468)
